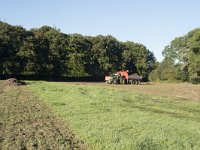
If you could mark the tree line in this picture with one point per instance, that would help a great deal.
(46, 51)
(181, 60)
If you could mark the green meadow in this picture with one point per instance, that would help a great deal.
(109, 119)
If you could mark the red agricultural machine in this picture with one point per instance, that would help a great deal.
(123, 77)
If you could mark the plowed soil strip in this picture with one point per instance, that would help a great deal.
(27, 123)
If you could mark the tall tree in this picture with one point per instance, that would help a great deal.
(186, 51)
(106, 54)
(79, 55)
(57, 48)
(137, 59)
(47, 51)
(11, 38)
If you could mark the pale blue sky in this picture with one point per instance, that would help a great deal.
(153, 23)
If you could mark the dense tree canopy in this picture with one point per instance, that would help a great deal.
(46, 51)
(183, 59)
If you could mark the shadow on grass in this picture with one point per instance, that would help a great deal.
(164, 112)
(147, 144)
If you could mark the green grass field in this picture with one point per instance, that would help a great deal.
(111, 119)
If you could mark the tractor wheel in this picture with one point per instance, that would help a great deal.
(123, 81)
(137, 82)
(115, 82)
(131, 81)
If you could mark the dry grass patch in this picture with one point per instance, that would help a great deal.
(180, 90)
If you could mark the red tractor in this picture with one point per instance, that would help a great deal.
(123, 77)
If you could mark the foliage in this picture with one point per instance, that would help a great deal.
(165, 71)
(138, 59)
(48, 51)
(185, 51)
(107, 118)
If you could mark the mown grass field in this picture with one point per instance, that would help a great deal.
(178, 90)
(109, 118)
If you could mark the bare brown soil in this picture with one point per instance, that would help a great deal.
(181, 90)
(13, 82)
(27, 123)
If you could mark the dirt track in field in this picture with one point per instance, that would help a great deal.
(180, 90)
(27, 123)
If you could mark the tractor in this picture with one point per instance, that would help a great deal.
(123, 77)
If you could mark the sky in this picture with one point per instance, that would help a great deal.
(153, 23)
